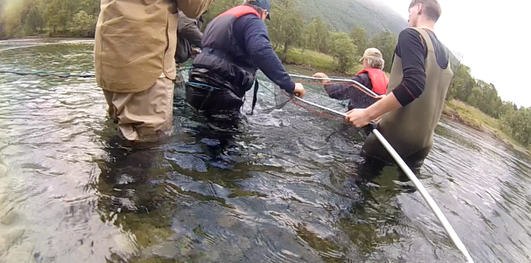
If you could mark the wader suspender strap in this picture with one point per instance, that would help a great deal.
(210, 90)
(255, 96)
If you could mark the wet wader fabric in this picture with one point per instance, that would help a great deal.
(138, 122)
(134, 51)
(134, 44)
(410, 129)
(210, 99)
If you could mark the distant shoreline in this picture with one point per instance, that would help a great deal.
(46, 37)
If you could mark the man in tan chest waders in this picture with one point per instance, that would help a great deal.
(420, 77)
(134, 59)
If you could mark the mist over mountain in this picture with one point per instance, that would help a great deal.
(343, 15)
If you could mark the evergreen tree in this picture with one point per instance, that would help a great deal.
(344, 50)
(359, 37)
(32, 21)
(84, 23)
(462, 84)
(217, 7)
(386, 43)
(518, 124)
(286, 25)
(316, 35)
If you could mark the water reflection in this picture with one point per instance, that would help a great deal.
(142, 186)
(131, 193)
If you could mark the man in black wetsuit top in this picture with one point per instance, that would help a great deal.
(420, 77)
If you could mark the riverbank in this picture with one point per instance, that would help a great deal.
(474, 118)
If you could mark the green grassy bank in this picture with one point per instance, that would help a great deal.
(473, 117)
(309, 61)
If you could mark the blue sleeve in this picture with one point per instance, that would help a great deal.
(345, 91)
(252, 34)
(338, 91)
(412, 50)
(364, 80)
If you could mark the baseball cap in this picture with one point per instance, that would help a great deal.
(264, 4)
(372, 53)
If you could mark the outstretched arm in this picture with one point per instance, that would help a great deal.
(342, 91)
(257, 44)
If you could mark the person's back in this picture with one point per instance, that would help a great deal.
(235, 45)
(224, 54)
(121, 66)
(134, 62)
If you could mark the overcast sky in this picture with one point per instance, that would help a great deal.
(492, 37)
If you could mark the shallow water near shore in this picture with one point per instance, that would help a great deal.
(280, 188)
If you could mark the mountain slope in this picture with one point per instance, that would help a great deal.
(343, 15)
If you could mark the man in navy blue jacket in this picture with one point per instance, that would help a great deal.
(235, 45)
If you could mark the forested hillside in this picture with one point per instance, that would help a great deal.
(76, 17)
(19, 18)
(343, 15)
(339, 15)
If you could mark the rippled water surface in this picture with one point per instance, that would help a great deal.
(280, 189)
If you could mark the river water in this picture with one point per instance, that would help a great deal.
(282, 188)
